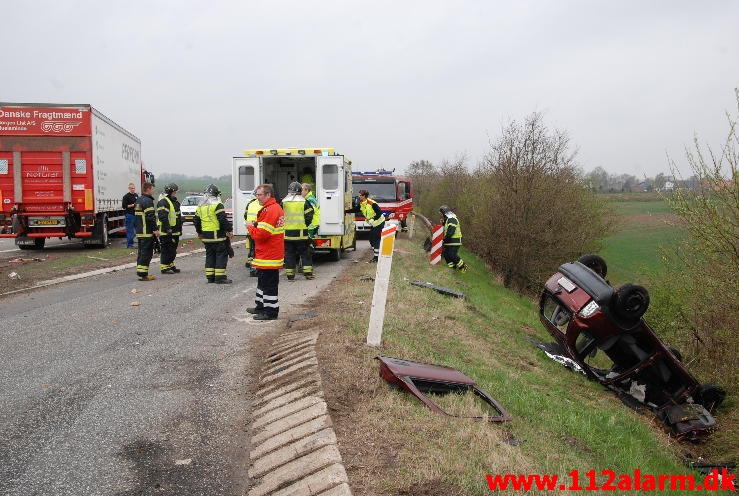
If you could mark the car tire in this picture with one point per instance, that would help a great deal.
(710, 395)
(631, 301)
(594, 263)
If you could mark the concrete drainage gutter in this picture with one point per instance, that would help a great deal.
(294, 448)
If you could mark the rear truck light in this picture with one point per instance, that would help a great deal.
(589, 309)
(323, 242)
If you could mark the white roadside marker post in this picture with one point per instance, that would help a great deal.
(412, 220)
(382, 281)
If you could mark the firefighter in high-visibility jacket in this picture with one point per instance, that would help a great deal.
(146, 231)
(250, 215)
(370, 210)
(452, 239)
(298, 217)
(215, 230)
(169, 221)
(268, 233)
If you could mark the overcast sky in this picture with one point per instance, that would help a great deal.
(383, 82)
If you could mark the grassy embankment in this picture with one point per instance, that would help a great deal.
(392, 443)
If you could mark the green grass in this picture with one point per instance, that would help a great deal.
(565, 421)
(633, 251)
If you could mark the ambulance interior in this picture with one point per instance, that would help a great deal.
(281, 171)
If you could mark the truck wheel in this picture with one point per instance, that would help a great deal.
(99, 238)
(354, 243)
(335, 255)
(631, 301)
(594, 263)
(39, 243)
(104, 232)
(710, 395)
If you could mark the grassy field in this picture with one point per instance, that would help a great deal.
(392, 444)
(633, 252)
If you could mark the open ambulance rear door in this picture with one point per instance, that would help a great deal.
(330, 189)
(247, 175)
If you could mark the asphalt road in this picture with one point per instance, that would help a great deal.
(98, 397)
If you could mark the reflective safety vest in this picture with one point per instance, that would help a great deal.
(369, 213)
(452, 232)
(294, 207)
(209, 223)
(172, 216)
(311, 198)
(252, 209)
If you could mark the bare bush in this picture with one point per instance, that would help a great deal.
(701, 304)
(538, 212)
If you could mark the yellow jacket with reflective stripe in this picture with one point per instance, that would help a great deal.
(210, 226)
(368, 212)
(173, 216)
(452, 232)
(298, 214)
(252, 209)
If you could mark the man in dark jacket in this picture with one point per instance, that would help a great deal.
(146, 231)
(129, 203)
(169, 220)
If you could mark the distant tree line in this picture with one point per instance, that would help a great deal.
(600, 181)
(194, 184)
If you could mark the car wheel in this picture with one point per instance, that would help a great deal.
(631, 301)
(594, 263)
(710, 395)
(676, 353)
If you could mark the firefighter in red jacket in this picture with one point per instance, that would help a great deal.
(268, 234)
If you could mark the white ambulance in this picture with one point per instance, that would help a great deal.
(332, 177)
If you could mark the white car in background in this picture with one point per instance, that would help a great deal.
(188, 207)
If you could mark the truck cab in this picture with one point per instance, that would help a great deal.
(331, 175)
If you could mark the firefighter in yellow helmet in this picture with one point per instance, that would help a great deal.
(298, 217)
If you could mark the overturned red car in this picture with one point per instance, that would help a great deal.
(586, 315)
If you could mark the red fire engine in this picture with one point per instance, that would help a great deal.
(393, 193)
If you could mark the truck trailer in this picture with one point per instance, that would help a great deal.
(332, 177)
(63, 172)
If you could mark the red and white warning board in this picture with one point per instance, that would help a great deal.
(437, 242)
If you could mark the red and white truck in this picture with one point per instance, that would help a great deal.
(393, 193)
(63, 172)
